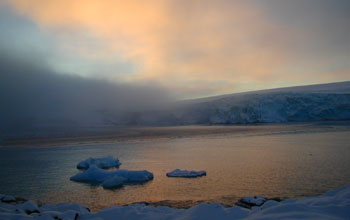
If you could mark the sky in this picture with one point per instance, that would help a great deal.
(180, 48)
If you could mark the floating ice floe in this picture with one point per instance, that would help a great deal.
(186, 173)
(114, 182)
(332, 205)
(102, 162)
(112, 179)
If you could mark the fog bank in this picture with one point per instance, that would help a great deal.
(34, 96)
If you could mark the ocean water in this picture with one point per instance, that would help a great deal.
(275, 165)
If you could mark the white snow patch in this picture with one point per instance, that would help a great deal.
(186, 173)
(29, 207)
(7, 198)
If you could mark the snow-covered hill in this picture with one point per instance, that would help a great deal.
(303, 103)
(294, 104)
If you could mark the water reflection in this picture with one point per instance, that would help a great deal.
(289, 165)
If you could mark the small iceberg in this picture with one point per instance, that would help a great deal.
(112, 179)
(186, 173)
(102, 162)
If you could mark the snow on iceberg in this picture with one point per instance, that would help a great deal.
(102, 162)
(112, 179)
(114, 182)
(186, 173)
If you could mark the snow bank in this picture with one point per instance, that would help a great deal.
(250, 201)
(186, 173)
(29, 207)
(6, 198)
(332, 205)
(103, 162)
(112, 179)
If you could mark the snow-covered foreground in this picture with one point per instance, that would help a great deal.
(334, 204)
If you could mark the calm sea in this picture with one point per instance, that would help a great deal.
(274, 165)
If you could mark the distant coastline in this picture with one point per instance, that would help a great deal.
(133, 134)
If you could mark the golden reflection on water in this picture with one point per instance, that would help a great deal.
(288, 165)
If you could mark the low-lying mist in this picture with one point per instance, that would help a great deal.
(35, 97)
(38, 101)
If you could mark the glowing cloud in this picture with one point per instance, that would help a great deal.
(190, 46)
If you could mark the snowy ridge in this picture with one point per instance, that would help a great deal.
(333, 88)
(295, 104)
(267, 108)
(332, 205)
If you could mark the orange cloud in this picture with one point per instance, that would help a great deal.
(177, 43)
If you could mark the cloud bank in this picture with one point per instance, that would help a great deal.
(199, 48)
(33, 96)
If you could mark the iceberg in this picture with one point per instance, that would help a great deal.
(92, 175)
(102, 162)
(186, 173)
(112, 179)
(114, 182)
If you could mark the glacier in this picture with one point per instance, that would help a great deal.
(323, 102)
